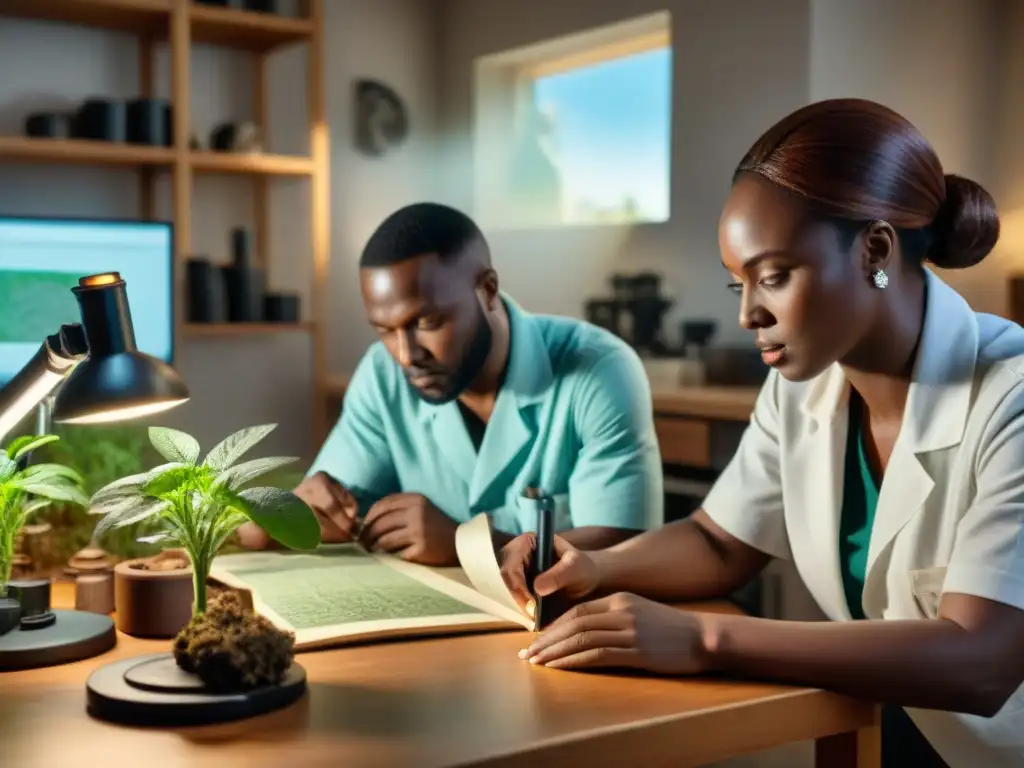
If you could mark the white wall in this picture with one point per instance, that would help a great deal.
(244, 380)
(394, 41)
(738, 66)
(1008, 147)
(937, 62)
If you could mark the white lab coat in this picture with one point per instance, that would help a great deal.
(951, 506)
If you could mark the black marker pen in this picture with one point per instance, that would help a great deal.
(543, 556)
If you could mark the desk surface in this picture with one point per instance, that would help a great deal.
(710, 402)
(432, 702)
(724, 403)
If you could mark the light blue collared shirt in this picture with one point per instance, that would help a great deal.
(574, 418)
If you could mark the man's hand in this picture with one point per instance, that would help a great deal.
(334, 506)
(410, 526)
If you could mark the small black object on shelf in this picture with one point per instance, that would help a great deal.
(149, 122)
(634, 311)
(243, 282)
(261, 6)
(48, 125)
(222, 137)
(206, 292)
(100, 120)
(697, 332)
(281, 308)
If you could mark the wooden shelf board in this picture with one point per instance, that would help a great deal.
(246, 29)
(244, 329)
(228, 27)
(82, 151)
(251, 162)
(148, 17)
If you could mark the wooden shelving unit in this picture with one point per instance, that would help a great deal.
(181, 23)
(19, 148)
(244, 329)
(257, 164)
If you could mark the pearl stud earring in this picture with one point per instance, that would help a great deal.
(879, 278)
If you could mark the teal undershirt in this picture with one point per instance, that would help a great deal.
(902, 743)
(860, 498)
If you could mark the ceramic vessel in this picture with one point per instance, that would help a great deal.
(154, 595)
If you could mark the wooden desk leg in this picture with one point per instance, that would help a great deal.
(856, 749)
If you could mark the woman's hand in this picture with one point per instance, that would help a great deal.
(574, 573)
(623, 630)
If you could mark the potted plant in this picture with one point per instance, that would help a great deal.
(23, 491)
(196, 505)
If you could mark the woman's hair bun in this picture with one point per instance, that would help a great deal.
(966, 227)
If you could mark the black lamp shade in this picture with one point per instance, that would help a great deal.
(118, 387)
(116, 381)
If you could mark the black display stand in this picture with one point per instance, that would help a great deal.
(73, 636)
(152, 690)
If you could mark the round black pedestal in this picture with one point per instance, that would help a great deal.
(152, 690)
(75, 635)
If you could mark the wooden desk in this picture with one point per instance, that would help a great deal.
(441, 702)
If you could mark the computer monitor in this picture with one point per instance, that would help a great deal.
(42, 258)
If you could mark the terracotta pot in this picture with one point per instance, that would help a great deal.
(151, 600)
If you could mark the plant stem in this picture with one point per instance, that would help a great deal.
(199, 570)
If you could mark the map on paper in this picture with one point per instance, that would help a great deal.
(343, 594)
(340, 586)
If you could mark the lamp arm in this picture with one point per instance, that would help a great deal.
(49, 366)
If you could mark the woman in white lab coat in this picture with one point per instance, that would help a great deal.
(884, 457)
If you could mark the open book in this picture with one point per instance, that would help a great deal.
(343, 594)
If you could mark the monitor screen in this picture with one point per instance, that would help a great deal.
(42, 259)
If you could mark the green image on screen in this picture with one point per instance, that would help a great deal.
(343, 587)
(35, 304)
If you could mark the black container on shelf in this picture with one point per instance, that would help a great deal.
(243, 282)
(49, 125)
(281, 308)
(261, 6)
(148, 121)
(100, 120)
(206, 292)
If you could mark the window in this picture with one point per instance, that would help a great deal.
(576, 131)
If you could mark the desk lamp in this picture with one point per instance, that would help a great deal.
(103, 378)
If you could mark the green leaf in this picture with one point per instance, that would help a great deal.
(154, 538)
(231, 448)
(34, 506)
(118, 504)
(8, 468)
(129, 515)
(283, 515)
(19, 446)
(46, 471)
(174, 445)
(240, 474)
(131, 483)
(52, 490)
(167, 482)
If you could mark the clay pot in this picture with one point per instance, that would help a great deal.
(153, 596)
(91, 559)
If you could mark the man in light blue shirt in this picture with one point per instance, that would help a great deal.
(468, 399)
